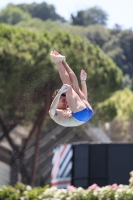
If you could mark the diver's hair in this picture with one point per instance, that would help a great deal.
(56, 92)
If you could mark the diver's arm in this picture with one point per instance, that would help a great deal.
(54, 104)
(84, 88)
(83, 77)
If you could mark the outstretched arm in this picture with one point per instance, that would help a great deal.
(83, 77)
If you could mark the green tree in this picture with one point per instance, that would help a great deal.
(42, 11)
(13, 15)
(127, 82)
(94, 15)
(120, 48)
(118, 112)
(118, 106)
(132, 84)
(39, 25)
(97, 34)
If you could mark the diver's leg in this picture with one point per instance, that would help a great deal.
(63, 73)
(74, 101)
(74, 81)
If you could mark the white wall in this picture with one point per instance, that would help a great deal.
(5, 171)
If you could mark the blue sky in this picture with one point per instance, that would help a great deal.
(119, 11)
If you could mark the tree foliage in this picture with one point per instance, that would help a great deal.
(23, 65)
(42, 11)
(118, 106)
(120, 48)
(97, 34)
(12, 15)
(94, 15)
(39, 25)
(126, 82)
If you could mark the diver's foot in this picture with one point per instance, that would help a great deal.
(57, 57)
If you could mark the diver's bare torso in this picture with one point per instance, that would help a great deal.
(65, 118)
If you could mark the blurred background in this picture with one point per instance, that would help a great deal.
(96, 36)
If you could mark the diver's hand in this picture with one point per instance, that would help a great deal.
(64, 88)
(83, 75)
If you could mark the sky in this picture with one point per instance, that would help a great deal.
(119, 11)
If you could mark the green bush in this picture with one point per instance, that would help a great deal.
(9, 193)
(94, 192)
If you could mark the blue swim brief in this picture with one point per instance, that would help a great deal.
(83, 115)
